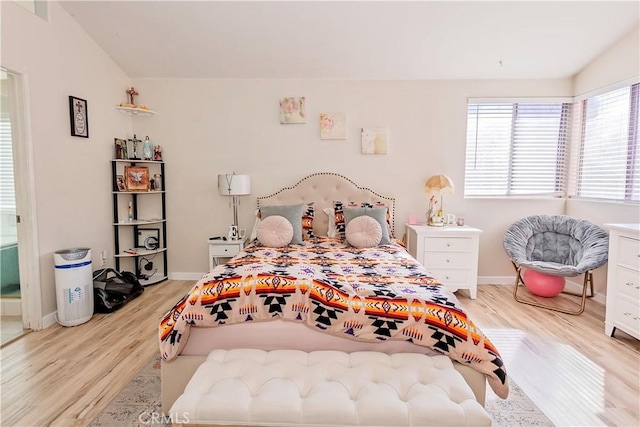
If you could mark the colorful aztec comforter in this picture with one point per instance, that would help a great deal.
(373, 294)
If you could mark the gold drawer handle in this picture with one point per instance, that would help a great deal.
(629, 283)
(626, 313)
(448, 245)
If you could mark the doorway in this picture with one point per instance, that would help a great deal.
(20, 305)
(10, 304)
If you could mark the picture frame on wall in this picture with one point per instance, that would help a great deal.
(136, 178)
(292, 110)
(374, 140)
(333, 125)
(79, 117)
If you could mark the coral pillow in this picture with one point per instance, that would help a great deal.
(363, 232)
(275, 231)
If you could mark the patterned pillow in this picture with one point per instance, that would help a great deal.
(338, 215)
(307, 221)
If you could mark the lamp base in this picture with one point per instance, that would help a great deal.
(435, 224)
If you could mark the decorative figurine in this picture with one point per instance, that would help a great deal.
(147, 149)
(134, 147)
(157, 153)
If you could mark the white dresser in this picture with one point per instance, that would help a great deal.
(450, 253)
(623, 279)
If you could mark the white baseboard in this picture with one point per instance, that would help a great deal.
(570, 285)
(185, 276)
(10, 306)
(496, 280)
(50, 319)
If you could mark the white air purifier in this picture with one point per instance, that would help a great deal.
(74, 286)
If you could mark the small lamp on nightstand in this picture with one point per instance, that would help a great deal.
(234, 185)
(437, 185)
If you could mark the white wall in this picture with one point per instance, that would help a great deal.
(207, 127)
(618, 63)
(72, 175)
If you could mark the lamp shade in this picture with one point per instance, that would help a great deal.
(234, 185)
(439, 184)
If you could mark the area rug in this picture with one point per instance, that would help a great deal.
(139, 404)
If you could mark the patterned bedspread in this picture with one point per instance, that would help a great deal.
(372, 294)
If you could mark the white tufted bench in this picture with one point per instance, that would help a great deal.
(327, 388)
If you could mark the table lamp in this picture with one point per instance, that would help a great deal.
(234, 185)
(437, 185)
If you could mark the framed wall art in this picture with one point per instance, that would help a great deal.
(374, 140)
(292, 110)
(333, 125)
(136, 178)
(79, 117)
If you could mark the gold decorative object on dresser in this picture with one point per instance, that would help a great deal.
(449, 252)
(623, 280)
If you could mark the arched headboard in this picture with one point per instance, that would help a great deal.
(323, 188)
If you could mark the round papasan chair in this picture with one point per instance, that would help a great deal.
(557, 245)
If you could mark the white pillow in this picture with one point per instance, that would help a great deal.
(274, 231)
(363, 232)
(331, 231)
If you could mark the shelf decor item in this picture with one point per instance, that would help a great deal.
(120, 183)
(79, 117)
(136, 178)
(130, 106)
(157, 153)
(121, 148)
(437, 185)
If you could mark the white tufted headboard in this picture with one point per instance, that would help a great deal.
(323, 188)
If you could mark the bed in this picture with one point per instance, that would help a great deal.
(324, 294)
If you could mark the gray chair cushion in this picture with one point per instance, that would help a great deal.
(556, 244)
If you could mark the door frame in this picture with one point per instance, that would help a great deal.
(25, 189)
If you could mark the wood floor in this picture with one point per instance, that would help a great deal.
(566, 364)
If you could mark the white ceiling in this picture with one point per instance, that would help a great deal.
(354, 40)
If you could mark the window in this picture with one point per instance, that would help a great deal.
(606, 143)
(517, 148)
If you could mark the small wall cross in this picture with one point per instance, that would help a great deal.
(132, 93)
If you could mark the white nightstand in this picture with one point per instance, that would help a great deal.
(224, 249)
(450, 253)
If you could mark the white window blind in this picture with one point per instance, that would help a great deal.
(7, 188)
(607, 141)
(516, 148)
